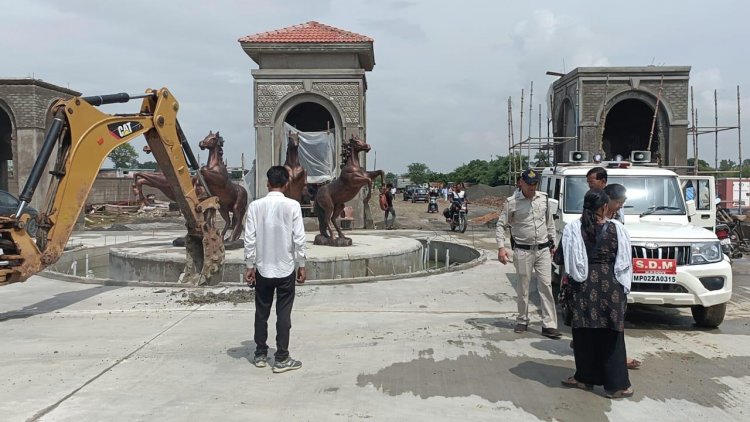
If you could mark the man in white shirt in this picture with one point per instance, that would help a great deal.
(274, 243)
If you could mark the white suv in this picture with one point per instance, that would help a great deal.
(675, 262)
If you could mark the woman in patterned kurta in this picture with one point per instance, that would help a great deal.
(598, 307)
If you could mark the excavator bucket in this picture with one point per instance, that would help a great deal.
(204, 258)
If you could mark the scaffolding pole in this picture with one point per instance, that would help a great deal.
(739, 145)
(696, 131)
(656, 113)
(520, 133)
(716, 134)
(693, 133)
(531, 108)
(510, 142)
(528, 145)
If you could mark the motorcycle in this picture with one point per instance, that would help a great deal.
(724, 234)
(432, 206)
(457, 217)
(729, 231)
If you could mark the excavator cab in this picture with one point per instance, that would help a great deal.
(83, 137)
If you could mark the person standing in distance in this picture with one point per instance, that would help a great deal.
(533, 237)
(390, 209)
(274, 243)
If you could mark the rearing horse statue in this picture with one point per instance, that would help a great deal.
(331, 198)
(155, 180)
(232, 197)
(297, 173)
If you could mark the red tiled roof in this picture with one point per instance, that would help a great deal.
(310, 32)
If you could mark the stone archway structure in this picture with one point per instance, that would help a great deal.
(610, 110)
(308, 64)
(25, 110)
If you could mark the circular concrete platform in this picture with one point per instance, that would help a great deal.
(369, 256)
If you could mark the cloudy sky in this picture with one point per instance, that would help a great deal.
(444, 69)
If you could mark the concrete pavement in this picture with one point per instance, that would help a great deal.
(431, 348)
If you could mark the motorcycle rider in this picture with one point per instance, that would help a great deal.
(458, 199)
(432, 203)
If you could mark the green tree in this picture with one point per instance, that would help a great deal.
(473, 172)
(152, 165)
(124, 156)
(745, 168)
(702, 164)
(497, 172)
(729, 168)
(541, 159)
(726, 165)
(418, 173)
(439, 177)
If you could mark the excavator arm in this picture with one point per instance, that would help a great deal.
(84, 137)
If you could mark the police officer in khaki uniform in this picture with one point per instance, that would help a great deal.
(533, 239)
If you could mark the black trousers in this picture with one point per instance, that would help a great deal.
(264, 290)
(600, 358)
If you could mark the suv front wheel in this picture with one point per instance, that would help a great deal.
(709, 316)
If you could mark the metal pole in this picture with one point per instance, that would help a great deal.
(531, 108)
(716, 132)
(577, 115)
(447, 258)
(696, 142)
(511, 147)
(520, 135)
(693, 130)
(739, 144)
(656, 113)
(549, 121)
(539, 129)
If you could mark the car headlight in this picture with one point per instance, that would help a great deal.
(705, 253)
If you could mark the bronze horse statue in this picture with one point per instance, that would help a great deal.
(297, 173)
(331, 198)
(155, 180)
(232, 197)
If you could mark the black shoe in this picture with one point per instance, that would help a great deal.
(260, 361)
(288, 364)
(520, 328)
(551, 333)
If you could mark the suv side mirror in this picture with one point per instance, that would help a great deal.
(691, 211)
(552, 207)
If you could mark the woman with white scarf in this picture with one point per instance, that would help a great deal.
(598, 261)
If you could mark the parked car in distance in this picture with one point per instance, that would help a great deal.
(419, 195)
(408, 192)
(9, 205)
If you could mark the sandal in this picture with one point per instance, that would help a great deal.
(633, 363)
(619, 394)
(573, 383)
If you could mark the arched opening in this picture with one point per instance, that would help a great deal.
(628, 127)
(310, 117)
(6, 149)
(317, 151)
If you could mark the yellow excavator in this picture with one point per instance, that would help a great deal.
(84, 137)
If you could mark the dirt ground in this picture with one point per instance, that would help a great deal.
(483, 202)
(414, 216)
